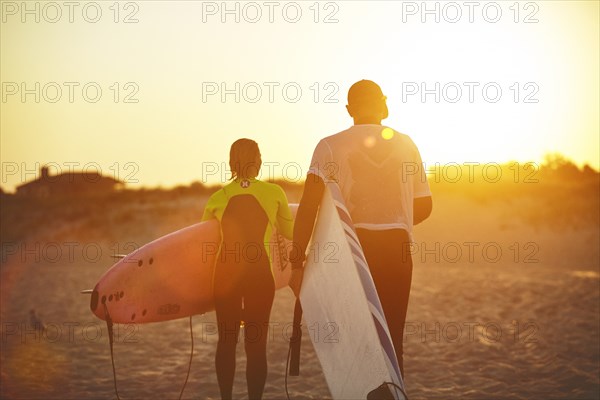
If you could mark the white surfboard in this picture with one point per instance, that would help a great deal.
(342, 310)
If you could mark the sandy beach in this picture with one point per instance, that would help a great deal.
(504, 305)
(477, 121)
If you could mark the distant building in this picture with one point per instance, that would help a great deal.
(68, 184)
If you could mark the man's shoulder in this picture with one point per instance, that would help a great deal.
(327, 140)
(331, 141)
(354, 133)
(404, 137)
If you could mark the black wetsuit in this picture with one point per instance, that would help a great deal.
(243, 282)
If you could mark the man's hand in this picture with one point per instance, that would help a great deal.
(422, 207)
(296, 280)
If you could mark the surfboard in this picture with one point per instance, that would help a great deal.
(342, 311)
(171, 277)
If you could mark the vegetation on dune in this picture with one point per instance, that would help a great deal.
(556, 193)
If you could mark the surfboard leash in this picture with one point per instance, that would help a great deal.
(190, 363)
(109, 327)
(395, 386)
(287, 365)
(292, 367)
(295, 340)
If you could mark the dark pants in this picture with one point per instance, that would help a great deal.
(388, 256)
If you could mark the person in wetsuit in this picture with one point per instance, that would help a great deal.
(382, 180)
(248, 211)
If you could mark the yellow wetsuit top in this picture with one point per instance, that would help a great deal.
(271, 198)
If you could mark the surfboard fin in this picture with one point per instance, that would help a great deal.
(118, 255)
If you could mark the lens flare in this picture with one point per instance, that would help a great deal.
(387, 133)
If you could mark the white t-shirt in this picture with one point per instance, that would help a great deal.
(379, 177)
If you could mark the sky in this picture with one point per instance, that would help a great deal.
(154, 92)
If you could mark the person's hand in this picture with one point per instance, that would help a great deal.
(296, 280)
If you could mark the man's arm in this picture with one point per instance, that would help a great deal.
(303, 227)
(306, 216)
(422, 207)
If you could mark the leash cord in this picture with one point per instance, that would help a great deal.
(190, 363)
(109, 326)
(397, 387)
(287, 366)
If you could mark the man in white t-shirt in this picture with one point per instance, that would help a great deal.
(382, 179)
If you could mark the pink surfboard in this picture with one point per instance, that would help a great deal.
(171, 277)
